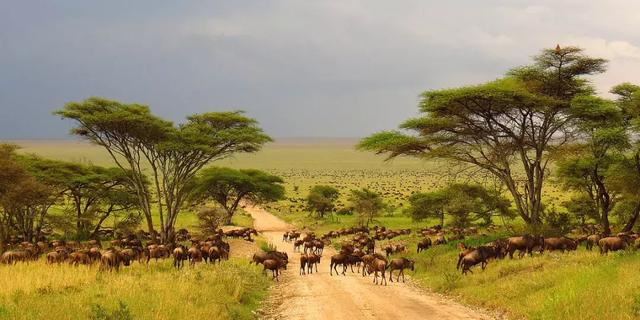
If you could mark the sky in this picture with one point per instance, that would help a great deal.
(302, 68)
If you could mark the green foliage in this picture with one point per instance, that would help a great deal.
(368, 204)
(321, 199)
(229, 187)
(465, 203)
(494, 126)
(134, 137)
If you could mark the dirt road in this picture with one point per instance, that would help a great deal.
(321, 296)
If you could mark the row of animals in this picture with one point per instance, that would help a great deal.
(122, 252)
(361, 248)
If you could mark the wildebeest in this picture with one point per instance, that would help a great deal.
(110, 260)
(479, 255)
(612, 244)
(313, 259)
(524, 244)
(400, 264)
(274, 265)
(592, 240)
(179, 256)
(261, 256)
(424, 244)
(336, 260)
(375, 266)
(560, 243)
(79, 257)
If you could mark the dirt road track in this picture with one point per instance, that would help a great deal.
(321, 296)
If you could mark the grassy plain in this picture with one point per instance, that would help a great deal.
(578, 285)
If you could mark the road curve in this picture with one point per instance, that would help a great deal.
(321, 296)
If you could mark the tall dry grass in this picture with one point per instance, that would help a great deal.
(230, 290)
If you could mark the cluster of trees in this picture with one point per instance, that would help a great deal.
(366, 203)
(140, 143)
(87, 196)
(160, 171)
(513, 128)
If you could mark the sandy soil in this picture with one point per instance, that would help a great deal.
(321, 296)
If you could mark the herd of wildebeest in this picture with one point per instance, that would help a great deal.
(357, 249)
(126, 249)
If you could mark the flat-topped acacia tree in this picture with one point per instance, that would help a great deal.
(506, 127)
(139, 141)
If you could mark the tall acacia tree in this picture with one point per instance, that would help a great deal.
(503, 127)
(139, 141)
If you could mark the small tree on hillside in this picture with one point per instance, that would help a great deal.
(321, 199)
(229, 187)
(368, 204)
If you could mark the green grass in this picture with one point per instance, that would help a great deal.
(231, 290)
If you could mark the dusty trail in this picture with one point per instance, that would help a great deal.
(321, 296)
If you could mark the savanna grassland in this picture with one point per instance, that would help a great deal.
(577, 285)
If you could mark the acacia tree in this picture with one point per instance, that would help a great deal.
(503, 127)
(321, 199)
(602, 139)
(464, 202)
(137, 140)
(367, 203)
(229, 187)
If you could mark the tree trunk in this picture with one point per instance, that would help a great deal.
(632, 220)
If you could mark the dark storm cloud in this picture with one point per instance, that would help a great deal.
(302, 68)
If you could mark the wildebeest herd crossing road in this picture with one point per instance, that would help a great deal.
(321, 296)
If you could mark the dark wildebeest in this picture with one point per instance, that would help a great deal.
(56, 257)
(338, 259)
(297, 244)
(560, 243)
(479, 255)
(424, 244)
(399, 264)
(195, 255)
(274, 265)
(378, 265)
(110, 260)
(303, 263)
(79, 257)
(592, 240)
(313, 259)
(179, 256)
(524, 244)
(612, 244)
(260, 256)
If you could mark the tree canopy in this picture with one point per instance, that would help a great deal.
(321, 199)
(137, 140)
(229, 187)
(503, 127)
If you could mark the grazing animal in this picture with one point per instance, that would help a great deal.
(560, 243)
(303, 263)
(612, 244)
(378, 265)
(479, 255)
(179, 256)
(336, 260)
(259, 257)
(110, 260)
(592, 240)
(424, 244)
(400, 264)
(313, 259)
(524, 244)
(274, 265)
(78, 257)
(195, 255)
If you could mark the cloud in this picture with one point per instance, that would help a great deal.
(302, 68)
